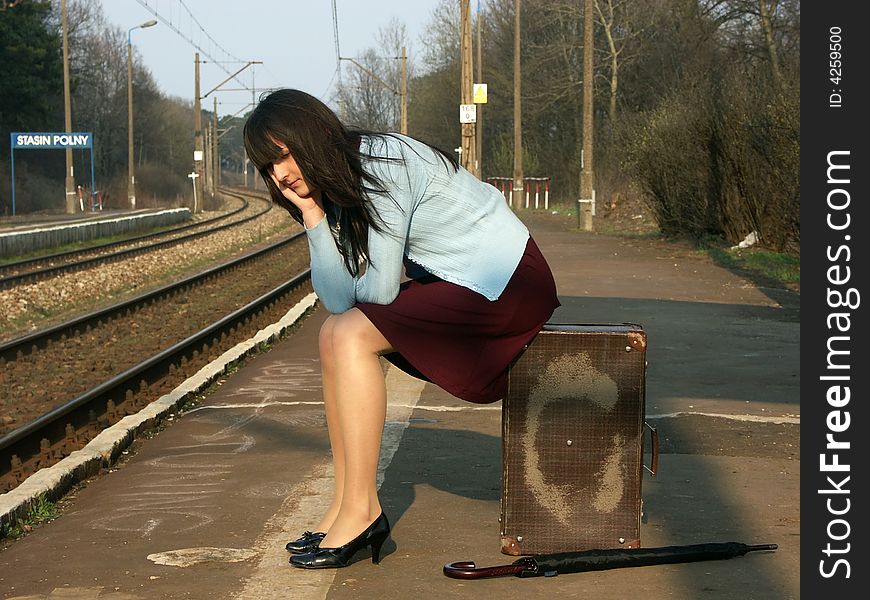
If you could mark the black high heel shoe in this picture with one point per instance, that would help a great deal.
(309, 542)
(323, 558)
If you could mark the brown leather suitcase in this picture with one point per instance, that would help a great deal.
(573, 441)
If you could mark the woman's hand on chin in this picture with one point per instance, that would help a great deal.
(311, 206)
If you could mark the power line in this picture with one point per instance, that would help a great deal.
(201, 28)
(329, 85)
(169, 23)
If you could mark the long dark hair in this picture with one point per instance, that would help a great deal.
(329, 157)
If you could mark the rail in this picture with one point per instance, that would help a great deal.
(18, 278)
(69, 425)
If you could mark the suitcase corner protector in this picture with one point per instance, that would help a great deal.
(637, 340)
(510, 546)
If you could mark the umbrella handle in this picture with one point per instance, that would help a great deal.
(468, 570)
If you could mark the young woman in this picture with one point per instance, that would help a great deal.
(417, 261)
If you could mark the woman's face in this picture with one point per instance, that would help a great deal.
(288, 174)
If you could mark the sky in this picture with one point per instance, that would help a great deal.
(293, 38)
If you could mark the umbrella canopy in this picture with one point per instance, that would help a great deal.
(600, 560)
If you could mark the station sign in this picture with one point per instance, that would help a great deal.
(49, 140)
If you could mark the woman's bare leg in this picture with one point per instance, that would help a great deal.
(358, 404)
(327, 368)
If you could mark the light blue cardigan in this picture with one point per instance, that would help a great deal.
(449, 223)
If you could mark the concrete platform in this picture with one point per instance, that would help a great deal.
(203, 508)
(19, 237)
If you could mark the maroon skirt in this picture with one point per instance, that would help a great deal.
(456, 338)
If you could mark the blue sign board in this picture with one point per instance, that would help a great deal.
(50, 141)
(44, 141)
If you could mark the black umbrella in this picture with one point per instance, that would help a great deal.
(549, 565)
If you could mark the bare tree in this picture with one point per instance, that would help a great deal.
(369, 96)
(755, 28)
(441, 39)
(624, 24)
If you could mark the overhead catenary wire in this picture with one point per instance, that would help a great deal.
(169, 22)
(331, 80)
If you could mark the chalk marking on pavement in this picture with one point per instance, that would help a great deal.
(281, 380)
(171, 508)
(252, 405)
(787, 419)
(273, 578)
(150, 526)
(795, 420)
(461, 408)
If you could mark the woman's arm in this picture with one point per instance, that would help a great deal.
(379, 283)
(333, 284)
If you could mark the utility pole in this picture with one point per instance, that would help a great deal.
(586, 204)
(517, 192)
(197, 138)
(479, 125)
(403, 109)
(69, 180)
(468, 154)
(215, 170)
(206, 140)
(131, 167)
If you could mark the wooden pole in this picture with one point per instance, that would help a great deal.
(518, 200)
(468, 156)
(131, 158)
(215, 159)
(587, 174)
(69, 179)
(404, 93)
(479, 125)
(199, 165)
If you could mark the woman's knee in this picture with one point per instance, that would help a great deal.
(326, 338)
(352, 331)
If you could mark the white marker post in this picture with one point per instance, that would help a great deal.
(193, 177)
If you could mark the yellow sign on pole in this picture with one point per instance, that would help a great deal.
(479, 93)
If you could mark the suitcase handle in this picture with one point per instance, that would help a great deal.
(654, 445)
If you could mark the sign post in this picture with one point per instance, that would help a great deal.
(193, 177)
(49, 141)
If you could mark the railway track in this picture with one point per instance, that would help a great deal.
(61, 386)
(51, 265)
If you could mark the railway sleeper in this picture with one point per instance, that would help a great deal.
(15, 476)
(48, 454)
(74, 440)
(114, 413)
